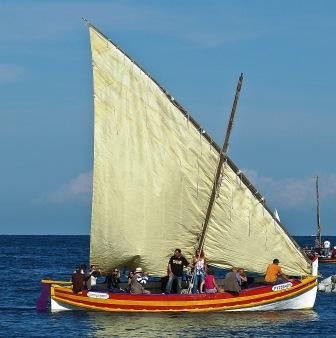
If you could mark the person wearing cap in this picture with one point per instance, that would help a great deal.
(175, 270)
(135, 287)
(274, 274)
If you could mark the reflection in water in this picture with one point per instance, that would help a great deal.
(213, 324)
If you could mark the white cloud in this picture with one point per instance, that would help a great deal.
(78, 189)
(10, 73)
(285, 193)
(293, 193)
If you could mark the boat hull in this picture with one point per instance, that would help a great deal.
(293, 295)
(321, 259)
(327, 260)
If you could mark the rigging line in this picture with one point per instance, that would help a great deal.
(318, 232)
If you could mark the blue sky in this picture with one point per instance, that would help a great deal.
(284, 133)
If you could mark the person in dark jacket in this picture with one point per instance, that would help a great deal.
(78, 280)
(112, 281)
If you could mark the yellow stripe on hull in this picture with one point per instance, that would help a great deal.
(166, 305)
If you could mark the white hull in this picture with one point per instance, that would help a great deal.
(58, 306)
(303, 301)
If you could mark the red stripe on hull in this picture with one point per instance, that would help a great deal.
(185, 297)
(327, 260)
(211, 302)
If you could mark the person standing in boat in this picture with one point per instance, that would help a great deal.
(326, 245)
(175, 270)
(274, 274)
(199, 264)
(78, 280)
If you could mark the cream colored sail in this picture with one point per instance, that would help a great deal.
(153, 175)
(247, 233)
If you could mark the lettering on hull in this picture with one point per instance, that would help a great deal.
(100, 295)
(281, 287)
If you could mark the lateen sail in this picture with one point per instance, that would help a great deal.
(153, 174)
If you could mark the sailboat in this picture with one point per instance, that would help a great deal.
(318, 249)
(160, 182)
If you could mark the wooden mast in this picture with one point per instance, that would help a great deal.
(222, 159)
(318, 230)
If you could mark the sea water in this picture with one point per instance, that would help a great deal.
(25, 260)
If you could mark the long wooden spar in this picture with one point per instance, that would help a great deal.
(222, 158)
(318, 230)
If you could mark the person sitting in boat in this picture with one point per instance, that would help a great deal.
(242, 278)
(135, 287)
(333, 252)
(143, 278)
(112, 281)
(129, 280)
(78, 280)
(175, 270)
(274, 274)
(231, 282)
(326, 245)
(199, 264)
(91, 278)
(210, 283)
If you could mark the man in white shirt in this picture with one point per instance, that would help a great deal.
(326, 245)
